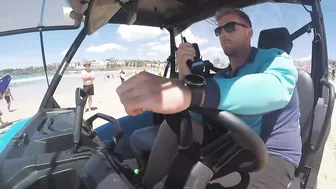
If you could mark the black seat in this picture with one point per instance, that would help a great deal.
(280, 38)
(275, 38)
(305, 88)
(141, 142)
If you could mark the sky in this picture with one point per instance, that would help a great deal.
(140, 42)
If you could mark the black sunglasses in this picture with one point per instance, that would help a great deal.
(229, 27)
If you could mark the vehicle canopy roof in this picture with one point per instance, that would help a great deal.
(177, 14)
(182, 13)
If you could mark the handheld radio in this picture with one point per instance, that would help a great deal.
(196, 66)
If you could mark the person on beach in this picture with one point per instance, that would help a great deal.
(1, 121)
(88, 76)
(122, 76)
(8, 96)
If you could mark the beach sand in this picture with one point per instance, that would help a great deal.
(27, 99)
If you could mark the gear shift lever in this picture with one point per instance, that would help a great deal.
(81, 97)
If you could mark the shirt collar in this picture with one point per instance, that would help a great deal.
(250, 59)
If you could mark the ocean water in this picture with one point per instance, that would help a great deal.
(27, 78)
(31, 88)
(19, 81)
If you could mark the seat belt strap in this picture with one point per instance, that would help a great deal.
(181, 167)
(186, 158)
(157, 118)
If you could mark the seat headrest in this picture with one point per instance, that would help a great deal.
(275, 38)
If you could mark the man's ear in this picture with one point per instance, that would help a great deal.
(250, 33)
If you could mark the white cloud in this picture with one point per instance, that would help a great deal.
(105, 47)
(136, 33)
(213, 52)
(151, 53)
(306, 58)
(64, 51)
(191, 38)
(95, 34)
(153, 43)
(163, 47)
(164, 38)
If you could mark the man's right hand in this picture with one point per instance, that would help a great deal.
(185, 52)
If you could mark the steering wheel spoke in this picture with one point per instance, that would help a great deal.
(227, 157)
(217, 145)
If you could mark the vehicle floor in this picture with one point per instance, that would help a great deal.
(132, 163)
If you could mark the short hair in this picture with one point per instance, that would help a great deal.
(228, 11)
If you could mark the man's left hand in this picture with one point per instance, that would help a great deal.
(146, 91)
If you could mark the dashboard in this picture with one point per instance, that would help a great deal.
(41, 156)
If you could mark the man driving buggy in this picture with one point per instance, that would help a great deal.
(259, 86)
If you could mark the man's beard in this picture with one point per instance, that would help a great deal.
(231, 52)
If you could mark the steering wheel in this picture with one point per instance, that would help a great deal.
(112, 120)
(243, 135)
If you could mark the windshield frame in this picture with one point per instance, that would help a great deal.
(319, 63)
(38, 29)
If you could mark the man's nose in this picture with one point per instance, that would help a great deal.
(223, 36)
